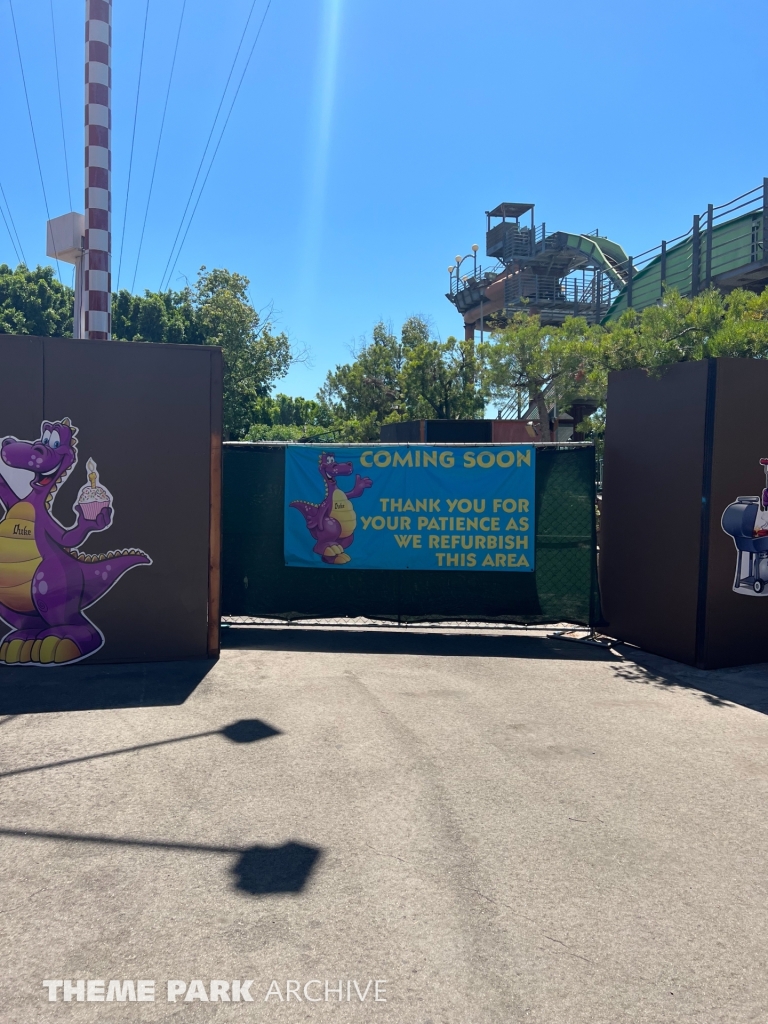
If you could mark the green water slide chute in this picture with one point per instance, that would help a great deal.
(734, 244)
(602, 253)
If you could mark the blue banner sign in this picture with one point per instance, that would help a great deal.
(410, 507)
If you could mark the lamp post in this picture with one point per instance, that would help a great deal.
(457, 268)
(460, 260)
(472, 255)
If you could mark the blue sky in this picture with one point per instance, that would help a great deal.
(369, 138)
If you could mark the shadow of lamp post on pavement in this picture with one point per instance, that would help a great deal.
(259, 870)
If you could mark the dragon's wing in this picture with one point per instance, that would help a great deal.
(312, 513)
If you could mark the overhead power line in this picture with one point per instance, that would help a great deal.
(208, 141)
(133, 140)
(13, 225)
(159, 141)
(31, 125)
(61, 108)
(18, 258)
(221, 136)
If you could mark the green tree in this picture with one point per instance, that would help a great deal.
(680, 329)
(677, 330)
(541, 365)
(156, 316)
(282, 410)
(440, 380)
(409, 377)
(365, 393)
(34, 302)
(285, 432)
(255, 357)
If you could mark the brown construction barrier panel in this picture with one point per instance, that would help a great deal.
(684, 536)
(110, 492)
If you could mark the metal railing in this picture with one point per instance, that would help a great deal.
(475, 278)
(517, 245)
(721, 241)
(583, 288)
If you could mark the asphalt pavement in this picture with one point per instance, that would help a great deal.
(400, 827)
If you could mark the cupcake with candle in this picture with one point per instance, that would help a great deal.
(94, 498)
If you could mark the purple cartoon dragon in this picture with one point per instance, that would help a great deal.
(332, 522)
(45, 583)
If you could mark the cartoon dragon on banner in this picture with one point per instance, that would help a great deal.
(332, 522)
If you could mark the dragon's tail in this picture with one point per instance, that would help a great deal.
(312, 513)
(101, 572)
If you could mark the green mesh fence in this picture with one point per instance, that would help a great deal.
(256, 582)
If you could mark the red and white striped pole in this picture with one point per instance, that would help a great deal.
(97, 254)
